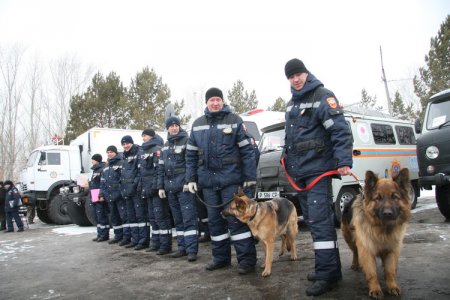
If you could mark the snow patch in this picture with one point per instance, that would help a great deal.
(74, 230)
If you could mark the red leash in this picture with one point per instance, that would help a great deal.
(312, 183)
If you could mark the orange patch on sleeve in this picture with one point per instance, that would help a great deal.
(332, 102)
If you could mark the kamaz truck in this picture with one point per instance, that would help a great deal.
(52, 168)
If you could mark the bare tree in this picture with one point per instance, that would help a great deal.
(68, 80)
(11, 97)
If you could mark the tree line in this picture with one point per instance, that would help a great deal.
(45, 102)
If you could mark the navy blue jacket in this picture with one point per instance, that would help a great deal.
(318, 139)
(12, 194)
(172, 165)
(149, 157)
(218, 153)
(110, 179)
(130, 172)
(96, 175)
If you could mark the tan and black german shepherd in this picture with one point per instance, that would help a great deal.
(373, 225)
(267, 220)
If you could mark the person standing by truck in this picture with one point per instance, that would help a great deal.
(2, 207)
(171, 180)
(110, 191)
(12, 204)
(317, 140)
(220, 158)
(101, 207)
(158, 209)
(136, 210)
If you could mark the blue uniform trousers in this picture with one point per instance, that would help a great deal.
(118, 211)
(316, 205)
(182, 205)
(224, 231)
(162, 219)
(101, 217)
(13, 214)
(137, 219)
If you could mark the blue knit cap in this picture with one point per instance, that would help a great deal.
(127, 139)
(172, 120)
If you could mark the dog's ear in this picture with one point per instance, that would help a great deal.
(370, 182)
(241, 192)
(402, 179)
(240, 203)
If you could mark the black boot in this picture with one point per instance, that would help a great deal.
(320, 287)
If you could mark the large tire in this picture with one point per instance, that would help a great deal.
(413, 194)
(78, 214)
(443, 200)
(57, 210)
(90, 211)
(43, 215)
(346, 194)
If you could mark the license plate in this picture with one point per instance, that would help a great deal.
(268, 195)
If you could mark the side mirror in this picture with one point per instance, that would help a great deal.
(43, 156)
(418, 126)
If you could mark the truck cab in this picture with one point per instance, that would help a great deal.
(433, 149)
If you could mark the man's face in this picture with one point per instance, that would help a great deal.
(110, 154)
(146, 138)
(173, 129)
(214, 104)
(127, 146)
(6, 186)
(94, 162)
(298, 80)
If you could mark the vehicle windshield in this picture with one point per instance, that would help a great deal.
(32, 158)
(438, 114)
(272, 141)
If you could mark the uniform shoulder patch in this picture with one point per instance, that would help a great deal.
(332, 102)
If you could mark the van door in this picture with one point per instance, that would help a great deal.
(50, 167)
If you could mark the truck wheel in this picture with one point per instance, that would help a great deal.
(43, 215)
(57, 210)
(90, 211)
(346, 194)
(443, 200)
(413, 195)
(77, 214)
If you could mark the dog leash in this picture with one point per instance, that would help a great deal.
(312, 183)
(210, 205)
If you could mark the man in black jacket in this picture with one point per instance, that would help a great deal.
(2, 207)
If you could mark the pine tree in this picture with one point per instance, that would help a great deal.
(149, 97)
(278, 105)
(104, 104)
(240, 99)
(435, 76)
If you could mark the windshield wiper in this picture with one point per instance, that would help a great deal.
(443, 124)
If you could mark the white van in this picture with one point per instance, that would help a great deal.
(381, 144)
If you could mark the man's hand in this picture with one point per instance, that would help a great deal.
(249, 183)
(344, 171)
(192, 187)
(162, 193)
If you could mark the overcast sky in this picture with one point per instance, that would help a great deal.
(194, 45)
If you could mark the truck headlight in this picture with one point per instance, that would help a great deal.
(432, 152)
(76, 189)
(64, 189)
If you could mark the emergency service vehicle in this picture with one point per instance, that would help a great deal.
(381, 144)
(258, 118)
(50, 168)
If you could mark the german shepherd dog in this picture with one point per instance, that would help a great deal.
(267, 220)
(373, 225)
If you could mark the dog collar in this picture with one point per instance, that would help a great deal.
(251, 219)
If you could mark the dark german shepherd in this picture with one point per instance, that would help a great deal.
(373, 225)
(267, 220)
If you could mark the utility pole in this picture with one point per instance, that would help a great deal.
(383, 77)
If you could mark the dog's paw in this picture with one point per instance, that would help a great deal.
(294, 257)
(266, 273)
(355, 267)
(263, 266)
(394, 291)
(376, 293)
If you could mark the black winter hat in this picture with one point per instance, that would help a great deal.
(97, 157)
(127, 139)
(149, 132)
(213, 92)
(112, 148)
(294, 66)
(172, 120)
(8, 182)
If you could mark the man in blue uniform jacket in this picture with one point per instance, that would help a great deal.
(219, 158)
